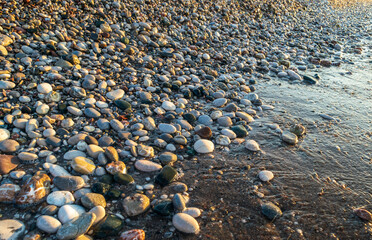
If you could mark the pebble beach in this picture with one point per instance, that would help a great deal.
(187, 119)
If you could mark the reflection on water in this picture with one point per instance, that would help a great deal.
(329, 171)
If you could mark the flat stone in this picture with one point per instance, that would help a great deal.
(185, 223)
(9, 146)
(92, 113)
(136, 204)
(8, 192)
(83, 165)
(8, 163)
(167, 128)
(76, 227)
(73, 154)
(69, 183)
(147, 166)
(115, 94)
(60, 198)
(48, 224)
(56, 170)
(111, 225)
(193, 212)
(91, 200)
(11, 229)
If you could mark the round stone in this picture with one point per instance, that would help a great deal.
(91, 200)
(167, 128)
(68, 212)
(115, 94)
(252, 145)
(265, 175)
(100, 213)
(271, 211)
(289, 138)
(42, 109)
(185, 223)
(69, 183)
(136, 204)
(168, 106)
(204, 146)
(44, 88)
(60, 198)
(48, 224)
(192, 211)
(9, 145)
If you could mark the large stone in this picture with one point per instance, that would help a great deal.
(9, 145)
(265, 175)
(11, 229)
(136, 204)
(69, 183)
(252, 145)
(76, 227)
(4, 134)
(34, 190)
(8, 192)
(8, 163)
(289, 138)
(111, 225)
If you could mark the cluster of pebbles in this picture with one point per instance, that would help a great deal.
(101, 101)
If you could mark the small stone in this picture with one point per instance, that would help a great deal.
(298, 130)
(94, 150)
(147, 166)
(145, 151)
(167, 158)
(252, 145)
(204, 146)
(265, 175)
(116, 167)
(48, 224)
(205, 132)
(193, 212)
(56, 170)
(123, 105)
(92, 113)
(168, 106)
(167, 128)
(164, 208)
(68, 212)
(134, 234)
(60, 198)
(27, 157)
(44, 88)
(11, 229)
(179, 202)
(166, 176)
(289, 138)
(185, 223)
(136, 204)
(69, 183)
(123, 178)
(271, 211)
(91, 200)
(49, 210)
(240, 131)
(76, 227)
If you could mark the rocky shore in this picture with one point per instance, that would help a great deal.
(106, 104)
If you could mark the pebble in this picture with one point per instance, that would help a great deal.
(91, 200)
(265, 175)
(134, 234)
(48, 224)
(192, 211)
(204, 146)
(252, 145)
(60, 198)
(4, 134)
(76, 227)
(99, 212)
(69, 183)
(9, 146)
(271, 211)
(136, 204)
(147, 166)
(8, 163)
(185, 223)
(289, 138)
